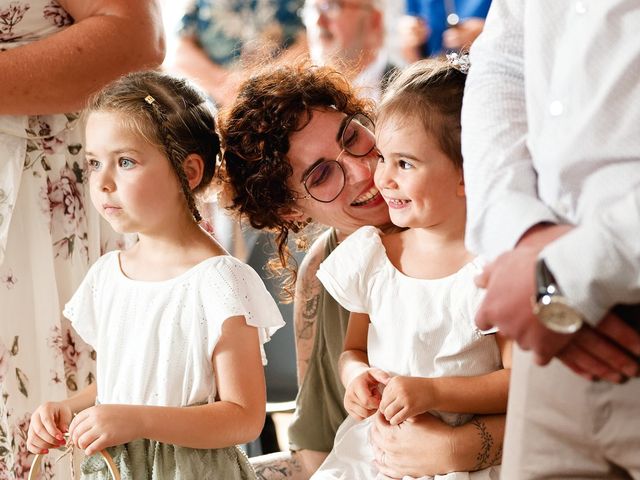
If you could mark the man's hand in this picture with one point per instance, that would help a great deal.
(510, 285)
(606, 352)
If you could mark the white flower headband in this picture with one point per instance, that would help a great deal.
(460, 62)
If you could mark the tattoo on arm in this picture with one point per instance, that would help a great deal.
(278, 470)
(305, 308)
(309, 315)
(486, 439)
(497, 458)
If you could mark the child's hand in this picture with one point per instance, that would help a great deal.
(47, 426)
(405, 397)
(362, 397)
(102, 426)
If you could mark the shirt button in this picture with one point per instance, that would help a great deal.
(556, 108)
(581, 8)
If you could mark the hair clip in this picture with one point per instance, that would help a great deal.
(149, 99)
(460, 62)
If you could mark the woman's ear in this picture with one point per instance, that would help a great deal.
(460, 188)
(193, 167)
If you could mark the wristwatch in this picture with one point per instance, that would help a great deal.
(550, 306)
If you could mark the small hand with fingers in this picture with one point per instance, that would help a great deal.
(405, 397)
(47, 427)
(362, 396)
(102, 426)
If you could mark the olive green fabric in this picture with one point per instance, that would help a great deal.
(150, 460)
(319, 404)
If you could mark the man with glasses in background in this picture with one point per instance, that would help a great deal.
(349, 35)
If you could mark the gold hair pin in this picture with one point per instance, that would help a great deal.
(149, 99)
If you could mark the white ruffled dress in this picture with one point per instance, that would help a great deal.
(422, 328)
(155, 340)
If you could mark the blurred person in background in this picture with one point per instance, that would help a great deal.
(434, 27)
(350, 36)
(53, 56)
(217, 44)
(217, 40)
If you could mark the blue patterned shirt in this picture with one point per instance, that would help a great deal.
(227, 29)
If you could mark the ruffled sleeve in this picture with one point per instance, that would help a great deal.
(82, 309)
(347, 272)
(232, 289)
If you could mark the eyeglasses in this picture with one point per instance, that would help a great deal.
(327, 179)
(331, 8)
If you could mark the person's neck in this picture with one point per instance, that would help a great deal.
(442, 241)
(182, 236)
(343, 233)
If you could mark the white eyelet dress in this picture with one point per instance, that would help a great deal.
(154, 343)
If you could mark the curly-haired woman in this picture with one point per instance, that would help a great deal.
(299, 149)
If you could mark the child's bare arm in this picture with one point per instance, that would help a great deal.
(404, 397)
(236, 418)
(362, 395)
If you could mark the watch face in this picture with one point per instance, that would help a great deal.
(558, 316)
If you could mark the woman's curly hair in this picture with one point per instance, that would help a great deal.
(271, 105)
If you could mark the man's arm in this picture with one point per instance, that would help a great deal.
(608, 270)
(602, 352)
(108, 39)
(500, 180)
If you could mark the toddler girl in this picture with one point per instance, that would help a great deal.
(177, 324)
(411, 293)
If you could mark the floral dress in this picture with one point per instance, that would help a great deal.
(49, 235)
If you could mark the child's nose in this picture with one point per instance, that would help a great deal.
(105, 181)
(384, 177)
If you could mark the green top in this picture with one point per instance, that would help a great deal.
(319, 404)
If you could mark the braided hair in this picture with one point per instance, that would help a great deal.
(170, 113)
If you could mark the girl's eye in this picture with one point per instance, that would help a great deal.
(380, 159)
(126, 163)
(404, 165)
(94, 165)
